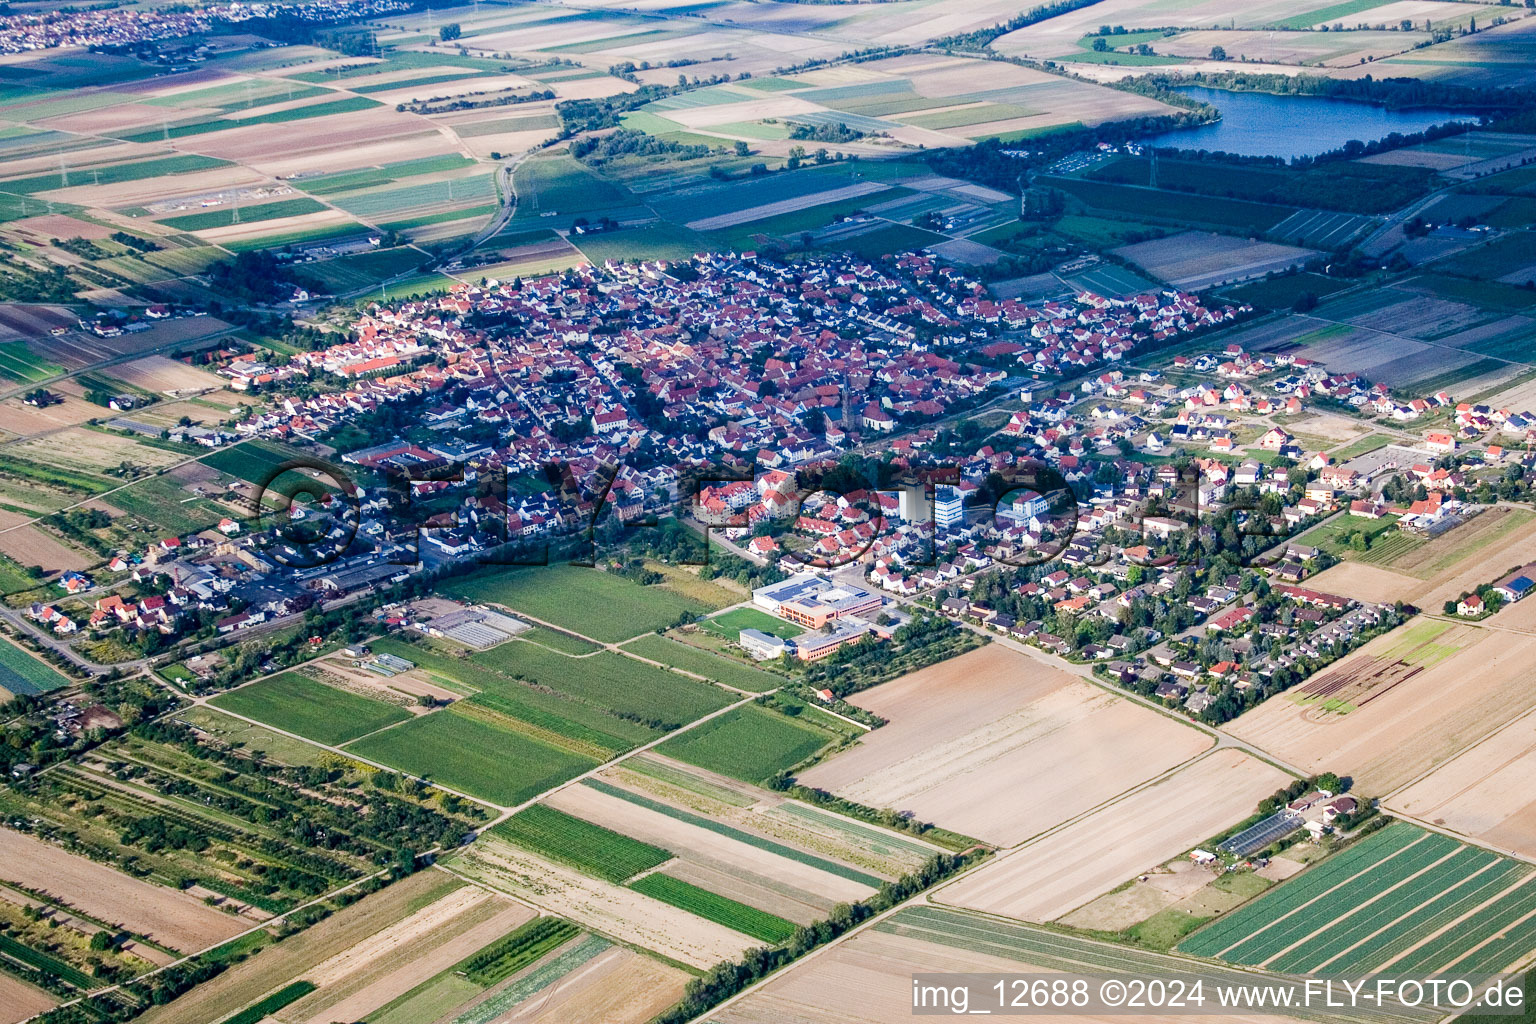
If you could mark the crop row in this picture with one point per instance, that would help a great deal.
(1434, 915)
(557, 967)
(44, 962)
(274, 1002)
(1282, 900)
(1394, 908)
(713, 907)
(516, 950)
(1351, 895)
(598, 851)
(730, 832)
(1455, 943)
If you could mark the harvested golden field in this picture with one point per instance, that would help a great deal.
(1487, 792)
(609, 909)
(868, 980)
(1399, 723)
(92, 451)
(1050, 877)
(997, 745)
(168, 916)
(162, 373)
(380, 968)
(291, 959)
(618, 986)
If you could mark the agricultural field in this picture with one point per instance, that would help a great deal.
(598, 851)
(162, 915)
(1402, 704)
(1046, 879)
(22, 673)
(295, 703)
(868, 980)
(989, 730)
(554, 969)
(475, 755)
(1479, 792)
(681, 655)
(287, 962)
(609, 909)
(752, 743)
(1196, 260)
(598, 605)
(898, 103)
(1400, 900)
(1426, 573)
(1234, 215)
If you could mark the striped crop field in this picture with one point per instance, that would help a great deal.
(1401, 901)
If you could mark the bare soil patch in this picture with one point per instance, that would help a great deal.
(168, 916)
(1421, 721)
(998, 745)
(1487, 792)
(18, 1000)
(619, 986)
(1054, 875)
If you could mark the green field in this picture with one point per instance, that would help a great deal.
(624, 686)
(473, 756)
(557, 183)
(1332, 536)
(111, 174)
(660, 241)
(272, 1003)
(749, 743)
(20, 363)
(365, 269)
(595, 604)
(297, 704)
(21, 673)
(347, 181)
(1182, 207)
(529, 698)
(729, 624)
(563, 642)
(260, 462)
(161, 501)
(712, 666)
(1282, 292)
(1359, 446)
(515, 950)
(219, 124)
(248, 214)
(1384, 894)
(598, 851)
(714, 907)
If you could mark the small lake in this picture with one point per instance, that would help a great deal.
(1263, 124)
